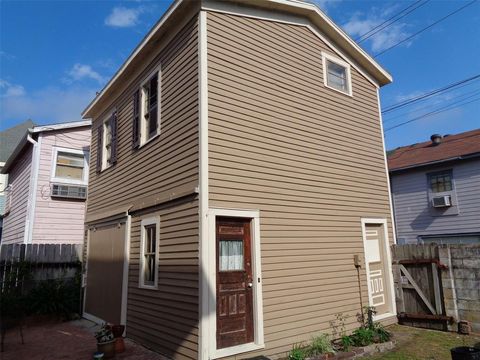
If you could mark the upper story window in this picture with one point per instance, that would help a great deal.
(107, 142)
(336, 74)
(146, 110)
(441, 181)
(70, 166)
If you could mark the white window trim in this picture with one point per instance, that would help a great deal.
(105, 165)
(146, 222)
(393, 307)
(340, 62)
(143, 123)
(85, 154)
(211, 317)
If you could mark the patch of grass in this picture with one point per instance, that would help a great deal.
(321, 344)
(298, 352)
(422, 344)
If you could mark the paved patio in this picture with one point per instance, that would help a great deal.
(69, 340)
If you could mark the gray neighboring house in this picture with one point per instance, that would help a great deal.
(9, 139)
(436, 189)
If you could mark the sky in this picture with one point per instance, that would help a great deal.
(55, 55)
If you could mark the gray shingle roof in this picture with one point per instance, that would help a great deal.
(9, 138)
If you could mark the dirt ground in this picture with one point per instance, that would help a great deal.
(421, 344)
(68, 340)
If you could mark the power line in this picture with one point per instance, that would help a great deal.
(387, 22)
(430, 105)
(425, 28)
(429, 94)
(438, 111)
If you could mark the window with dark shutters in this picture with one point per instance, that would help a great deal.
(136, 120)
(114, 140)
(99, 147)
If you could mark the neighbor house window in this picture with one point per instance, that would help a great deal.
(70, 166)
(336, 74)
(149, 252)
(440, 181)
(146, 122)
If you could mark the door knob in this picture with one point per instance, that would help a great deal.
(250, 285)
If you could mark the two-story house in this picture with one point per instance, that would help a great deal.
(47, 185)
(436, 189)
(238, 194)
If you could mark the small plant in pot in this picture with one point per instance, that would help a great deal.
(105, 341)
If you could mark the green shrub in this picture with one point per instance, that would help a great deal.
(321, 344)
(298, 352)
(363, 336)
(346, 342)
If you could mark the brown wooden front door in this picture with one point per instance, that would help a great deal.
(234, 282)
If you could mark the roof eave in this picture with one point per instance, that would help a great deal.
(436, 162)
(18, 149)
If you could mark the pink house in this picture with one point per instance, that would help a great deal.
(47, 185)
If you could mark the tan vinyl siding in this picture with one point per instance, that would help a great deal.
(309, 158)
(167, 319)
(172, 158)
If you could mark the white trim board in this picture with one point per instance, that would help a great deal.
(211, 291)
(205, 287)
(126, 263)
(379, 221)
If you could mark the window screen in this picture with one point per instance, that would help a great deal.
(69, 166)
(441, 182)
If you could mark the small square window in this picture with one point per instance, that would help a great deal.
(441, 181)
(337, 74)
(69, 166)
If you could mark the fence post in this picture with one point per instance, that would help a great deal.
(448, 285)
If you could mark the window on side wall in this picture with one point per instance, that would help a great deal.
(336, 74)
(149, 252)
(149, 108)
(107, 142)
(70, 166)
(440, 182)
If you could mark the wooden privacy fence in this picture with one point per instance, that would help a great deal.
(42, 261)
(437, 285)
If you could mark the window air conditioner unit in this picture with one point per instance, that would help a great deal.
(442, 201)
(78, 192)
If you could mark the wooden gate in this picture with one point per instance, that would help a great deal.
(417, 279)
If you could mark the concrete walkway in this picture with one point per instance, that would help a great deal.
(69, 340)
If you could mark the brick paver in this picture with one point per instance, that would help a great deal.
(69, 340)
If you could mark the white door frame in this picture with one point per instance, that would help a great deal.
(389, 276)
(211, 288)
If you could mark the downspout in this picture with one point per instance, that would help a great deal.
(32, 192)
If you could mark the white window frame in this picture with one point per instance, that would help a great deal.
(105, 164)
(211, 317)
(143, 123)
(327, 57)
(146, 222)
(85, 154)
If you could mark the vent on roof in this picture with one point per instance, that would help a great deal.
(436, 139)
(69, 191)
(442, 201)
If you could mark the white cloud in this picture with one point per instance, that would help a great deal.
(325, 4)
(359, 24)
(7, 56)
(47, 105)
(11, 90)
(123, 17)
(83, 71)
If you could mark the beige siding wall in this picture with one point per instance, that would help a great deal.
(19, 180)
(171, 160)
(167, 319)
(309, 158)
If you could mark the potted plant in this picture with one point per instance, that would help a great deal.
(105, 341)
(118, 333)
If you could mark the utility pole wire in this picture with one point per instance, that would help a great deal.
(424, 29)
(429, 94)
(370, 34)
(438, 111)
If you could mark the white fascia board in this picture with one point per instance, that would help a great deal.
(62, 126)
